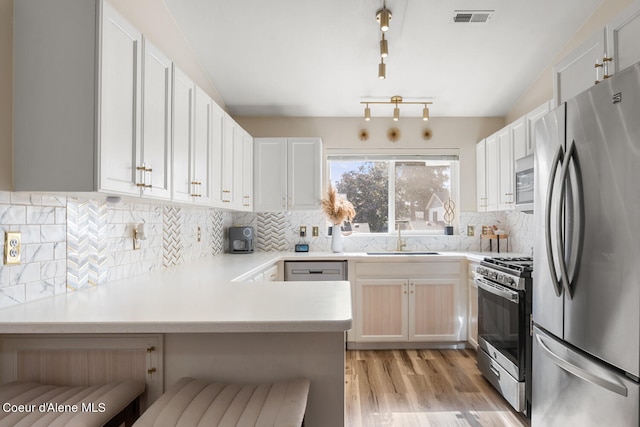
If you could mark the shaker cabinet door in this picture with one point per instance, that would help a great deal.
(183, 96)
(120, 109)
(270, 174)
(622, 39)
(155, 152)
(381, 307)
(576, 72)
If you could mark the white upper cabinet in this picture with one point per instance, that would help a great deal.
(227, 168)
(201, 153)
(235, 174)
(531, 119)
(288, 174)
(88, 116)
(247, 172)
(155, 151)
(217, 135)
(623, 34)
(496, 157)
(120, 111)
(506, 173)
(304, 168)
(481, 176)
(523, 131)
(492, 163)
(576, 72)
(191, 141)
(606, 52)
(270, 174)
(183, 94)
(519, 135)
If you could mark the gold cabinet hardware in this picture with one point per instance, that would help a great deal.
(151, 371)
(151, 348)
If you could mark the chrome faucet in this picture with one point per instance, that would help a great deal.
(400, 243)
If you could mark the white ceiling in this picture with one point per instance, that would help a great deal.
(320, 57)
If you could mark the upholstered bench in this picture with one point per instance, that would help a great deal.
(191, 403)
(33, 404)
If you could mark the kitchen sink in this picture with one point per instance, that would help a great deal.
(403, 253)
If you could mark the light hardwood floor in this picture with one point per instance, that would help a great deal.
(416, 388)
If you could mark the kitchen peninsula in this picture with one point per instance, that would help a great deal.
(215, 328)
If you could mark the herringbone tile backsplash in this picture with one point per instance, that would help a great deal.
(71, 243)
(271, 228)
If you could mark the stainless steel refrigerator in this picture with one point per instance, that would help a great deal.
(586, 275)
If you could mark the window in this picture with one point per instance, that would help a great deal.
(410, 191)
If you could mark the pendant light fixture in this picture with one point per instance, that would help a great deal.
(383, 16)
(396, 101)
(384, 47)
(396, 110)
(425, 113)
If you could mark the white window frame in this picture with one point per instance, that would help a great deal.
(447, 156)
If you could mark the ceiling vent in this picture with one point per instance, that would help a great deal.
(472, 16)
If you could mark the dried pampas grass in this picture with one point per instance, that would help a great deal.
(336, 208)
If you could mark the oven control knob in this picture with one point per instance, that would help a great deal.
(500, 278)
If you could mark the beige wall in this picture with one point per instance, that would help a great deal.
(447, 132)
(542, 88)
(6, 93)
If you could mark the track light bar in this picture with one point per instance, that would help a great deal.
(396, 100)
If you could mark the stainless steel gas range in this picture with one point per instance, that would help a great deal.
(504, 327)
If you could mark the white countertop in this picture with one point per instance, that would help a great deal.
(207, 296)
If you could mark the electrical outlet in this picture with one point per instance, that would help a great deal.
(470, 230)
(303, 231)
(12, 247)
(315, 231)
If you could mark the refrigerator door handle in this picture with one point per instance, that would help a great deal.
(580, 372)
(568, 279)
(578, 219)
(555, 280)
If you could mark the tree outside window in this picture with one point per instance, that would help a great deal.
(418, 190)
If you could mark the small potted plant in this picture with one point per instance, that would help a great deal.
(337, 209)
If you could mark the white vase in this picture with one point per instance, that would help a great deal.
(336, 239)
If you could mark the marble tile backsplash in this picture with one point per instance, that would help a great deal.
(69, 243)
(273, 234)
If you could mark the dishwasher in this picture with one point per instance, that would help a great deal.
(307, 271)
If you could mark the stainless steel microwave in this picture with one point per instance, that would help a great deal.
(524, 184)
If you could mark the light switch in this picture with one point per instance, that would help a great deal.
(315, 231)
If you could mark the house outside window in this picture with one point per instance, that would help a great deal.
(390, 190)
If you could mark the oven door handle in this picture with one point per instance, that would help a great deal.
(501, 292)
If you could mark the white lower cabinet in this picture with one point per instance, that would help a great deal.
(269, 274)
(410, 302)
(472, 310)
